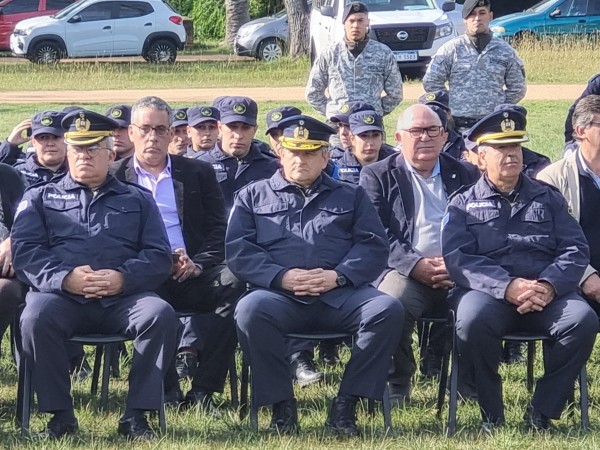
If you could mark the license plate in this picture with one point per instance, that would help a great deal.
(406, 56)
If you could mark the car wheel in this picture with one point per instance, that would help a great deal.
(270, 50)
(161, 51)
(46, 52)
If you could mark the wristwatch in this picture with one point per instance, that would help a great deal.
(341, 279)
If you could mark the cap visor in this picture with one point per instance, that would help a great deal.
(231, 119)
(48, 130)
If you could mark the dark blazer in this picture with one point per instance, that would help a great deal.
(389, 187)
(200, 206)
(11, 191)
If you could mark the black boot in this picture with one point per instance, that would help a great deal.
(304, 369)
(342, 415)
(285, 417)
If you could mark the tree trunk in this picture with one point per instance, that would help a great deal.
(299, 23)
(236, 15)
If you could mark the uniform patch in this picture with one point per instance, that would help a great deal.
(239, 108)
(276, 117)
(348, 170)
(206, 112)
(116, 113)
(52, 196)
(46, 121)
(218, 167)
(180, 115)
(481, 204)
(369, 120)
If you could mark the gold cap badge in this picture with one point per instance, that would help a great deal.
(81, 123)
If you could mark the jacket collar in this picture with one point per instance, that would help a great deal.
(110, 184)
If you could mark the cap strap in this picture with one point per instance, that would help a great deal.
(302, 144)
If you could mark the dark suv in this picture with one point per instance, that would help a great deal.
(13, 11)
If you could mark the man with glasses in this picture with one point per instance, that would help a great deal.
(410, 192)
(193, 212)
(92, 248)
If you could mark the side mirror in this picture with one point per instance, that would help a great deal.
(555, 13)
(75, 19)
(448, 6)
(327, 11)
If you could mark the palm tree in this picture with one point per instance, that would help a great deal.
(236, 15)
(299, 23)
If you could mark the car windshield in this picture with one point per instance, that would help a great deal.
(65, 12)
(542, 6)
(397, 5)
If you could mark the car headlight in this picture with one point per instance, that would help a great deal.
(443, 30)
(498, 29)
(22, 32)
(248, 30)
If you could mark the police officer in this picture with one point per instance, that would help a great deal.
(92, 248)
(275, 116)
(202, 130)
(366, 139)
(238, 161)
(309, 247)
(345, 69)
(410, 192)
(121, 143)
(439, 99)
(179, 139)
(517, 256)
(49, 158)
(482, 71)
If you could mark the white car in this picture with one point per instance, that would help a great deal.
(94, 28)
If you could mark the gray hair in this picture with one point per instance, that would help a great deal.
(405, 118)
(154, 103)
(583, 116)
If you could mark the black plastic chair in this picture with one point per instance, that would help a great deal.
(531, 339)
(105, 345)
(316, 336)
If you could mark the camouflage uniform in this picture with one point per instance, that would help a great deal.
(355, 79)
(476, 81)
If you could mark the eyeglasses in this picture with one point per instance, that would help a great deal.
(430, 131)
(593, 122)
(145, 130)
(89, 151)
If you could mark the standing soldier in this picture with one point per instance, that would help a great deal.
(345, 70)
(482, 71)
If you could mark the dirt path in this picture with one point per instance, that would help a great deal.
(278, 94)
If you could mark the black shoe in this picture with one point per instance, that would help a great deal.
(173, 397)
(186, 364)
(304, 369)
(328, 353)
(536, 421)
(285, 417)
(431, 365)
(202, 398)
(342, 416)
(57, 429)
(400, 394)
(513, 352)
(136, 428)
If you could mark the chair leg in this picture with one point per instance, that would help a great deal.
(530, 363)
(387, 410)
(162, 421)
(253, 407)
(26, 397)
(584, 399)
(96, 371)
(233, 382)
(245, 381)
(443, 383)
(453, 390)
(108, 352)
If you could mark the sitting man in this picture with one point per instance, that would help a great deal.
(410, 192)
(92, 248)
(517, 257)
(309, 247)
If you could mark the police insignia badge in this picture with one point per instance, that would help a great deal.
(507, 124)
(180, 115)
(116, 113)
(430, 97)
(369, 120)
(206, 112)
(81, 123)
(300, 132)
(239, 108)
(345, 108)
(356, 7)
(46, 121)
(276, 117)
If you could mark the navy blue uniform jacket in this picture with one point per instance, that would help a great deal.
(11, 191)
(200, 206)
(487, 242)
(388, 184)
(275, 226)
(348, 168)
(234, 174)
(61, 225)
